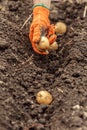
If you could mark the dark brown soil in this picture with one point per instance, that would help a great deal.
(23, 72)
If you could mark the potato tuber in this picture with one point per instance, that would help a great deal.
(60, 28)
(44, 97)
(53, 46)
(43, 44)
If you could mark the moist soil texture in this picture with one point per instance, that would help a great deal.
(23, 73)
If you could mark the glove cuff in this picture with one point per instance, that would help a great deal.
(42, 5)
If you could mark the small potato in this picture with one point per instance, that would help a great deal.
(43, 44)
(60, 28)
(53, 46)
(44, 97)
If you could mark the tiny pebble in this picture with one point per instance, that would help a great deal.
(76, 107)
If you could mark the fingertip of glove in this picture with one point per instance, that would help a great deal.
(36, 39)
(52, 38)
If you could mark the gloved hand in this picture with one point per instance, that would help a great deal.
(41, 26)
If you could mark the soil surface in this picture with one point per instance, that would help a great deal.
(23, 73)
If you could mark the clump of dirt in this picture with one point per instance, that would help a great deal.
(23, 72)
